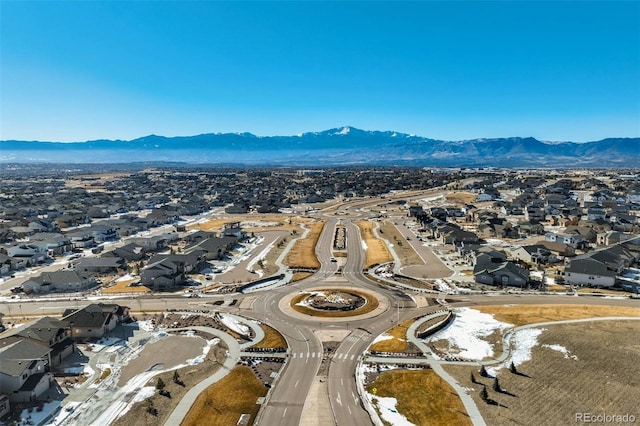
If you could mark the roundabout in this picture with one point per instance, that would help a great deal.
(333, 303)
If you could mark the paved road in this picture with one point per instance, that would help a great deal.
(286, 400)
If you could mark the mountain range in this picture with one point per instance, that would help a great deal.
(338, 147)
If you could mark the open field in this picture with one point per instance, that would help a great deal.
(422, 397)
(168, 352)
(225, 401)
(461, 197)
(399, 341)
(403, 249)
(254, 223)
(303, 254)
(377, 251)
(372, 304)
(599, 375)
(94, 182)
(190, 375)
(272, 338)
(124, 287)
(529, 314)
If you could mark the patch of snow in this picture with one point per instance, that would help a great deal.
(344, 131)
(564, 351)
(233, 324)
(36, 417)
(381, 338)
(521, 343)
(388, 411)
(144, 393)
(364, 245)
(468, 329)
(147, 325)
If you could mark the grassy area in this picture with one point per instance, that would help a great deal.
(398, 343)
(225, 401)
(303, 253)
(461, 197)
(299, 276)
(529, 314)
(403, 249)
(261, 223)
(602, 291)
(598, 352)
(372, 304)
(377, 251)
(272, 338)
(422, 397)
(125, 287)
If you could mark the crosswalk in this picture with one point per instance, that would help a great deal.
(339, 356)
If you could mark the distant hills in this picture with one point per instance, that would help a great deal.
(338, 147)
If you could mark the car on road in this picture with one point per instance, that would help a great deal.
(333, 259)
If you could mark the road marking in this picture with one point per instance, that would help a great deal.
(308, 354)
(285, 412)
(341, 381)
(313, 355)
(353, 356)
(296, 385)
(338, 400)
(349, 408)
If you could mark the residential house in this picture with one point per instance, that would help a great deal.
(129, 252)
(100, 265)
(162, 274)
(59, 281)
(23, 370)
(46, 331)
(215, 247)
(585, 271)
(534, 213)
(573, 240)
(486, 271)
(5, 406)
(535, 254)
(94, 321)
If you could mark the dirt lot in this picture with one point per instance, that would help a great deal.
(461, 197)
(167, 352)
(377, 252)
(190, 375)
(605, 377)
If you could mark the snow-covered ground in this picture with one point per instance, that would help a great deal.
(467, 333)
(564, 351)
(387, 408)
(522, 342)
(36, 417)
(382, 337)
(234, 325)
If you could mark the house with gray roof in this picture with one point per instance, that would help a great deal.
(49, 332)
(94, 321)
(493, 271)
(23, 370)
(59, 281)
(100, 265)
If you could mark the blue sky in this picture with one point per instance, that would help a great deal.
(72, 71)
